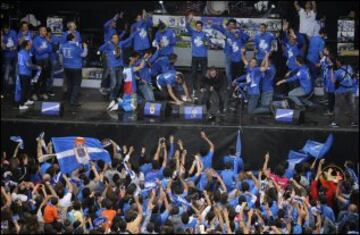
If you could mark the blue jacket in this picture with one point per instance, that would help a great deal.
(267, 80)
(145, 73)
(114, 60)
(292, 51)
(316, 45)
(199, 42)
(161, 65)
(141, 37)
(24, 62)
(72, 55)
(263, 43)
(108, 30)
(77, 37)
(300, 39)
(253, 77)
(343, 77)
(303, 77)
(165, 79)
(167, 39)
(10, 41)
(41, 48)
(326, 73)
(55, 42)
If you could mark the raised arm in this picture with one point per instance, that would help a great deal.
(318, 173)
(265, 63)
(68, 184)
(211, 144)
(265, 166)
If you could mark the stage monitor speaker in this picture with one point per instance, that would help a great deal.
(156, 109)
(290, 116)
(49, 108)
(193, 112)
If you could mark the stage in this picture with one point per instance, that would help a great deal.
(259, 135)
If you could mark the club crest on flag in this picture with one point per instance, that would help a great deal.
(193, 113)
(81, 153)
(152, 108)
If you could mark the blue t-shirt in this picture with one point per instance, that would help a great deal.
(26, 36)
(167, 79)
(303, 77)
(154, 174)
(161, 65)
(10, 41)
(41, 48)
(24, 59)
(267, 80)
(292, 51)
(263, 43)
(237, 162)
(228, 176)
(253, 78)
(207, 160)
(141, 37)
(72, 55)
(167, 39)
(198, 42)
(343, 77)
(316, 45)
(146, 168)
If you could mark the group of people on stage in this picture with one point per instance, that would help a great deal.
(152, 73)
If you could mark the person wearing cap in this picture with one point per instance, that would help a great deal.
(169, 82)
(166, 39)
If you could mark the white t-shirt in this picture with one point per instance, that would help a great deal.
(307, 22)
(65, 202)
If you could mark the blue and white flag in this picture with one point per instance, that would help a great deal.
(317, 149)
(238, 145)
(17, 89)
(18, 139)
(69, 160)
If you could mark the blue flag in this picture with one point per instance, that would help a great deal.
(72, 156)
(17, 89)
(317, 149)
(238, 145)
(18, 139)
(295, 158)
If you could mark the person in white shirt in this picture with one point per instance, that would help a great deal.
(307, 17)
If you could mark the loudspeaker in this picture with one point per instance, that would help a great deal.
(290, 116)
(156, 109)
(193, 112)
(49, 108)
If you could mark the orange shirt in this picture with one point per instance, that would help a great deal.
(50, 214)
(109, 215)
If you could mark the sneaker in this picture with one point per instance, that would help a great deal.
(44, 97)
(102, 91)
(29, 102)
(114, 108)
(23, 107)
(354, 124)
(51, 94)
(333, 124)
(112, 103)
(328, 113)
(34, 97)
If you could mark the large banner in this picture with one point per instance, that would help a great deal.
(345, 37)
(216, 38)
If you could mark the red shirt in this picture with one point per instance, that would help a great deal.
(330, 190)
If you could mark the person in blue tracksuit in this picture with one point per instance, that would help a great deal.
(25, 67)
(166, 39)
(114, 50)
(327, 74)
(344, 102)
(199, 51)
(238, 39)
(42, 50)
(263, 43)
(140, 30)
(267, 88)
(72, 55)
(254, 74)
(298, 94)
(24, 33)
(316, 46)
(8, 56)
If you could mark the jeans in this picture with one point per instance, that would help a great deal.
(265, 101)
(49, 84)
(74, 78)
(207, 96)
(195, 62)
(314, 71)
(25, 88)
(41, 85)
(344, 103)
(252, 104)
(228, 70)
(297, 96)
(116, 77)
(331, 101)
(147, 91)
(9, 70)
(105, 81)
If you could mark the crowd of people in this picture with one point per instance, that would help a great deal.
(166, 189)
(155, 77)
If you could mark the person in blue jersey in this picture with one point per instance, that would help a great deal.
(54, 60)
(236, 162)
(42, 50)
(253, 78)
(173, 87)
(238, 39)
(114, 50)
(166, 39)
(298, 94)
(199, 51)
(291, 50)
(267, 88)
(228, 175)
(316, 46)
(25, 67)
(289, 32)
(263, 42)
(206, 153)
(110, 26)
(327, 74)
(140, 29)
(72, 56)
(344, 102)
(71, 28)
(24, 33)
(8, 56)
(163, 64)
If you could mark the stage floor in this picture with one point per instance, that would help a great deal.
(93, 111)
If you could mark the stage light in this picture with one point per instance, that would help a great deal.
(161, 2)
